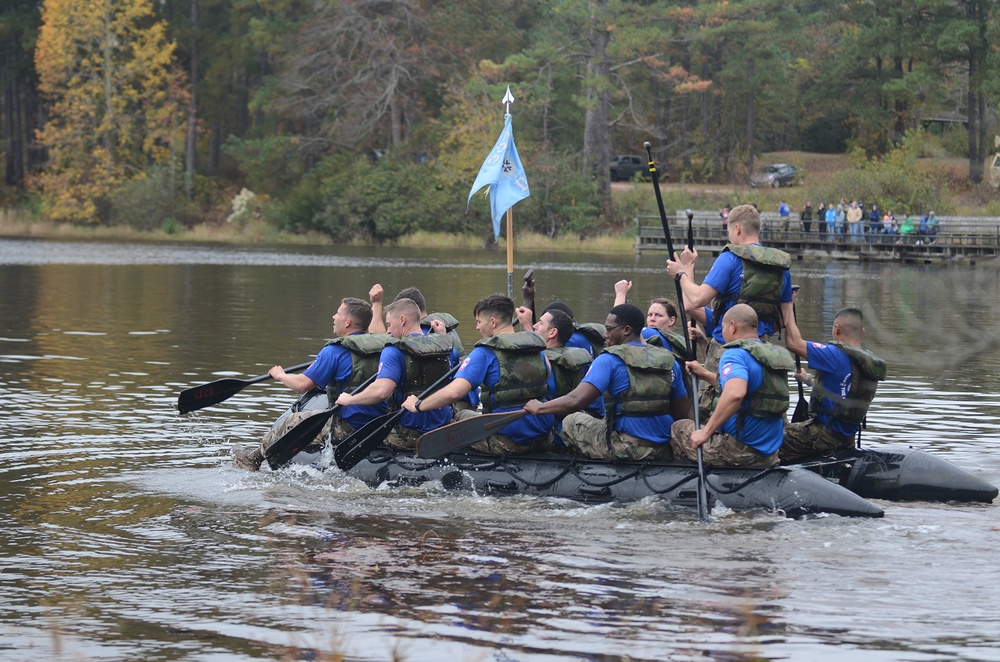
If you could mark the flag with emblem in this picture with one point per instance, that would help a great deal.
(504, 176)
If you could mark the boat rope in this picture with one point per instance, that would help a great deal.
(685, 479)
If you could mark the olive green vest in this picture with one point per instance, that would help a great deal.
(427, 360)
(450, 324)
(867, 370)
(570, 364)
(522, 370)
(763, 280)
(650, 381)
(771, 399)
(594, 333)
(365, 349)
(678, 346)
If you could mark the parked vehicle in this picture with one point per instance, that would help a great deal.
(775, 176)
(624, 167)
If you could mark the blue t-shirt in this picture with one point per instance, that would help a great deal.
(763, 434)
(392, 365)
(608, 374)
(784, 210)
(482, 368)
(833, 369)
(333, 364)
(580, 340)
(726, 277)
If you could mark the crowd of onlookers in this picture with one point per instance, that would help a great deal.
(852, 221)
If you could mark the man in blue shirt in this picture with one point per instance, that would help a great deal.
(785, 213)
(844, 384)
(408, 366)
(644, 393)
(509, 368)
(746, 427)
(341, 365)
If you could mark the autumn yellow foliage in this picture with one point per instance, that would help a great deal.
(116, 99)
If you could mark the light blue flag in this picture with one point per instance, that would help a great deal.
(503, 173)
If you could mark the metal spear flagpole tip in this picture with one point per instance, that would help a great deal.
(508, 99)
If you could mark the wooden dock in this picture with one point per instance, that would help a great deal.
(961, 239)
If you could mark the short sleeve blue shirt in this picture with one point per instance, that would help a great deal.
(833, 368)
(726, 277)
(333, 363)
(763, 434)
(392, 365)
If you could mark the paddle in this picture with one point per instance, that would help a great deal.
(460, 434)
(357, 446)
(801, 412)
(290, 444)
(206, 395)
(704, 509)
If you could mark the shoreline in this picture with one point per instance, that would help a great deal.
(257, 232)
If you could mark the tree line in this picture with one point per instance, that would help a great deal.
(370, 118)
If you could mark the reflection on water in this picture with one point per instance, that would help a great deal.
(127, 534)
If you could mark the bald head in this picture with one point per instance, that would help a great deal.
(740, 321)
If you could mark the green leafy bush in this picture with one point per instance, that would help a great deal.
(145, 202)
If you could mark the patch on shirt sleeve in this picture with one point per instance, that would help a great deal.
(818, 345)
(379, 371)
(726, 369)
(465, 363)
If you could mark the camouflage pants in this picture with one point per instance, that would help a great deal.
(335, 426)
(722, 450)
(405, 438)
(708, 395)
(588, 435)
(497, 444)
(810, 438)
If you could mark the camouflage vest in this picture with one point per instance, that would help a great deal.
(771, 399)
(678, 345)
(763, 280)
(427, 360)
(522, 370)
(594, 333)
(867, 370)
(450, 324)
(570, 364)
(365, 349)
(650, 381)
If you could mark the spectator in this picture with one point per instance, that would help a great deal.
(785, 215)
(853, 215)
(874, 223)
(831, 221)
(821, 221)
(807, 216)
(932, 228)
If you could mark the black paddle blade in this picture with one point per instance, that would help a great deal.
(357, 446)
(206, 395)
(284, 448)
(462, 434)
(801, 412)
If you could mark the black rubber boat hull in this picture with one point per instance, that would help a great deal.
(792, 491)
(903, 475)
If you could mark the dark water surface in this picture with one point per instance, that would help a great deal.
(127, 535)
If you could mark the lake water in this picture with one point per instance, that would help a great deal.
(127, 534)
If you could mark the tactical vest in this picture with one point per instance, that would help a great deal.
(365, 349)
(570, 364)
(522, 370)
(678, 345)
(650, 381)
(771, 399)
(594, 333)
(427, 360)
(450, 324)
(763, 280)
(867, 370)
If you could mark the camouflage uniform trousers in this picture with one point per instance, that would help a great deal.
(588, 435)
(251, 458)
(722, 450)
(809, 438)
(497, 444)
(405, 438)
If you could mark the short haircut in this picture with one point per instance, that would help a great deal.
(406, 307)
(414, 295)
(744, 316)
(630, 315)
(747, 217)
(667, 304)
(359, 310)
(496, 305)
(562, 323)
(559, 305)
(851, 321)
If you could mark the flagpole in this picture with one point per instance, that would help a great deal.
(510, 253)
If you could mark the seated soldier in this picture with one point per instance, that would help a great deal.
(509, 368)
(644, 393)
(745, 429)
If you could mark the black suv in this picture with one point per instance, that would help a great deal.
(623, 168)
